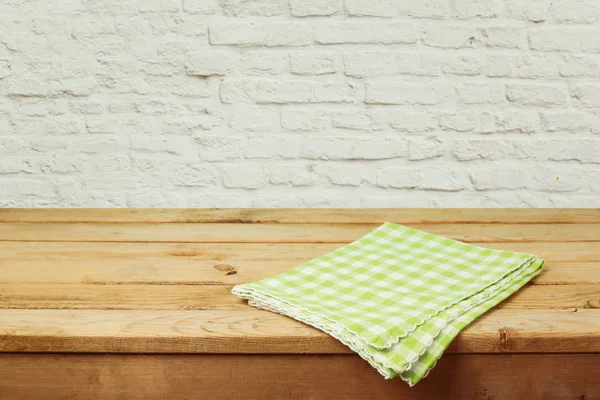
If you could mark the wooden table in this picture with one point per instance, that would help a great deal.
(136, 304)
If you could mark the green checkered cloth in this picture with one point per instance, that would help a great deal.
(397, 296)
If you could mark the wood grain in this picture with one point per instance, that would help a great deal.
(343, 377)
(282, 233)
(303, 216)
(257, 331)
(219, 297)
(228, 263)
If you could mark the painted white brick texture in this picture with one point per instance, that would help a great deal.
(300, 103)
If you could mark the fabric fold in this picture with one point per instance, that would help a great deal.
(397, 296)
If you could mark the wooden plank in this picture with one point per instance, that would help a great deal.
(303, 216)
(284, 233)
(258, 331)
(211, 272)
(343, 377)
(197, 263)
(77, 251)
(118, 297)
(219, 297)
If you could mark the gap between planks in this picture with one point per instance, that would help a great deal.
(306, 216)
(287, 233)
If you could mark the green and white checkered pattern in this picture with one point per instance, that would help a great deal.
(397, 296)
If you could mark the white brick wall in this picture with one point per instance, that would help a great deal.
(300, 103)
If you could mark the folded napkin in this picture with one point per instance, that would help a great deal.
(397, 296)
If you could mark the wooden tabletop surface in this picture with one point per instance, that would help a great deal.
(159, 280)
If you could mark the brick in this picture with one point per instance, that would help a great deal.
(530, 10)
(18, 165)
(460, 122)
(14, 186)
(269, 34)
(263, 63)
(201, 6)
(335, 92)
(147, 198)
(545, 95)
(451, 37)
(565, 39)
(594, 119)
(262, 8)
(238, 90)
(360, 65)
(160, 107)
(535, 177)
(425, 148)
(392, 92)
(338, 32)
(220, 148)
(304, 201)
(218, 199)
(361, 120)
(347, 148)
(27, 87)
(313, 63)
(178, 24)
(462, 65)
(579, 66)
(564, 121)
(480, 93)
(294, 175)
(174, 147)
(283, 92)
(5, 69)
(430, 178)
(122, 105)
(516, 122)
(111, 6)
(471, 150)
(586, 95)
(191, 175)
(304, 119)
(207, 119)
(403, 120)
(272, 147)
(468, 9)
(374, 8)
(581, 11)
(253, 119)
(503, 37)
(187, 86)
(243, 176)
(60, 126)
(304, 8)
(350, 175)
(582, 151)
(528, 66)
(86, 106)
(425, 9)
(423, 64)
(515, 200)
(209, 63)
(159, 6)
(386, 63)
